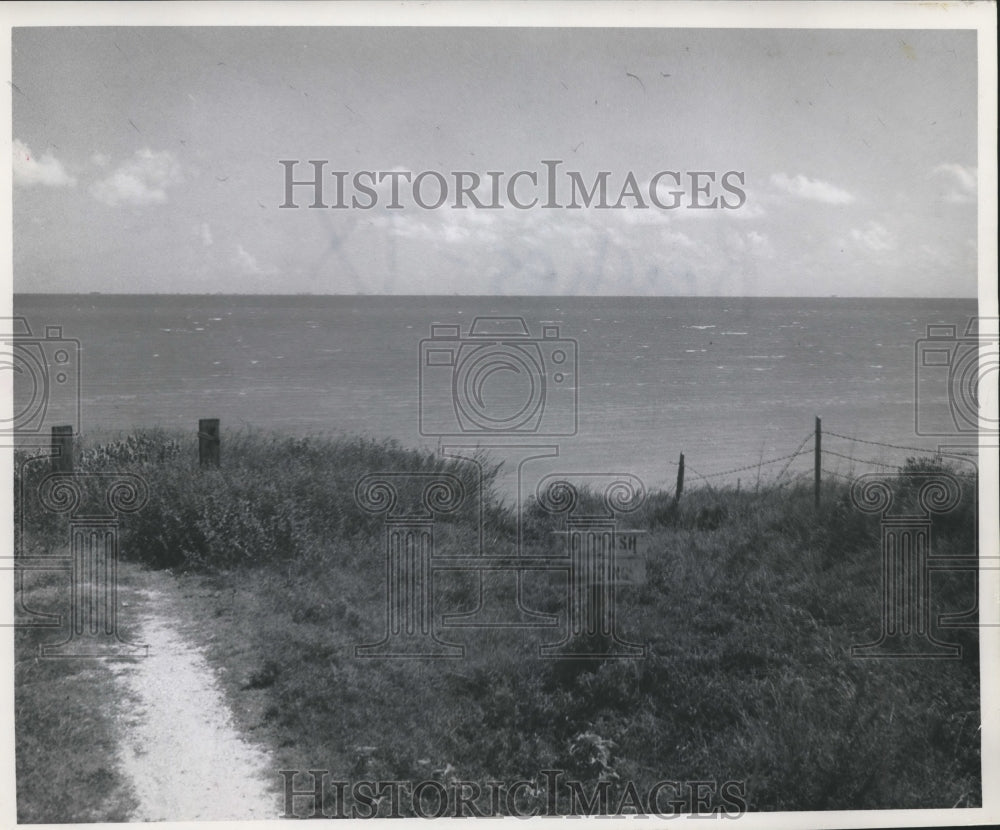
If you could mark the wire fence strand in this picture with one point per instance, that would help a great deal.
(798, 451)
(801, 450)
(873, 462)
(756, 464)
(828, 432)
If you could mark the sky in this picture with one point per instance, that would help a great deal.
(148, 160)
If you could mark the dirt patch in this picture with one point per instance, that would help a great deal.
(180, 750)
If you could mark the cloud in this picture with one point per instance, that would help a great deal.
(812, 189)
(874, 237)
(677, 239)
(100, 159)
(143, 180)
(205, 235)
(245, 261)
(46, 170)
(758, 243)
(963, 181)
(448, 226)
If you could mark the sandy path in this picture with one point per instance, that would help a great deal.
(181, 752)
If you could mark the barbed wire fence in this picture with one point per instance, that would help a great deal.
(819, 453)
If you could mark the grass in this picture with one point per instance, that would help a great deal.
(65, 732)
(751, 604)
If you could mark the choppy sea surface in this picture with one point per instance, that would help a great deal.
(729, 382)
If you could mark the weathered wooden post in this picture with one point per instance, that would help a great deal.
(62, 449)
(680, 480)
(208, 442)
(818, 458)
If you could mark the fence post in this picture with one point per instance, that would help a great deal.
(680, 480)
(62, 449)
(208, 442)
(818, 457)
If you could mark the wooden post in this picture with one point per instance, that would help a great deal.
(208, 442)
(818, 457)
(680, 480)
(62, 449)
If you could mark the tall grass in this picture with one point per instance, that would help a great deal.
(751, 604)
(274, 499)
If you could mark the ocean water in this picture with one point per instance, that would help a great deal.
(729, 382)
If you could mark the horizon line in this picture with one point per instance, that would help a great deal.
(493, 296)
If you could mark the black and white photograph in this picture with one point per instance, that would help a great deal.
(466, 410)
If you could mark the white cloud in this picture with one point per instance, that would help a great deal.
(143, 180)
(678, 239)
(205, 235)
(46, 170)
(245, 261)
(962, 181)
(451, 226)
(759, 243)
(812, 189)
(100, 159)
(874, 237)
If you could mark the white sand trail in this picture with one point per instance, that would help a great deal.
(184, 758)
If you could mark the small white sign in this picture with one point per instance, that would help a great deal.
(630, 557)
